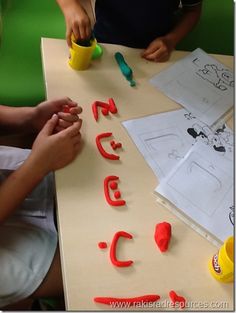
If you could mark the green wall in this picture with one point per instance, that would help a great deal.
(215, 31)
(24, 23)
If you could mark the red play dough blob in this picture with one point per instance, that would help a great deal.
(102, 245)
(66, 109)
(162, 235)
(177, 299)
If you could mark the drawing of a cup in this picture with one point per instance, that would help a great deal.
(221, 265)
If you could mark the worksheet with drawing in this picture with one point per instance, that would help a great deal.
(193, 164)
(164, 139)
(201, 186)
(200, 83)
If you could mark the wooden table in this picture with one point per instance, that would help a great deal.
(85, 218)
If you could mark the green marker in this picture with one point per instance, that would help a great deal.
(125, 69)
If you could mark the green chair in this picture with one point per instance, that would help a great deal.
(24, 22)
(215, 30)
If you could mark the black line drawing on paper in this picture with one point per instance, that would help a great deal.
(221, 140)
(199, 184)
(172, 142)
(221, 78)
(194, 165)
(195, 61)
(162, 146)
(189, 116)
(174, 154)
(231, 214)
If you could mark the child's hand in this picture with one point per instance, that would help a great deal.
(44, 111)
(52, 151)
(159, 50)
(67, 117)
(77, 22)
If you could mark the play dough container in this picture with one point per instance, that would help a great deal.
(221, 265)
(80, 56)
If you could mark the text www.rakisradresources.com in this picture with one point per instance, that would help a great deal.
(166, 304)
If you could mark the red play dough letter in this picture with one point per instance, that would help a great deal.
(107, 180)
(100, 147)
(113, 257)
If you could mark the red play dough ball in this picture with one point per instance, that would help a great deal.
(102, 245)
(117, 194)
(113, 185)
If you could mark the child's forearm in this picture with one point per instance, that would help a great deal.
(14, 119)
(18, 185)
(187, 22)
(67, 4)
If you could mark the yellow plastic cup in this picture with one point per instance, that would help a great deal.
(221, 265)
(80, 56)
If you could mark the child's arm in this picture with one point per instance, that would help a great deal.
(76, 18)
(50, 152)
(160, 49)
(31, 120)
(14, 119)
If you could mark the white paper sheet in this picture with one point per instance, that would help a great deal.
(200, 83)
(164, 139)
(201, 186)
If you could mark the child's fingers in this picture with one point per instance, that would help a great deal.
(148, 51)
(50, 126)
(64, 124)
(71, 103)
(58, 129)
(76, 139)
(76, 31)
(67, 117)
(74, 129)
(155, 45)
(163, 58)
(159, 55)
(72, 109)
(68, 37)
(75, 110)
(82, 31)
(151, 56)
(66, 101)
(88, 30)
